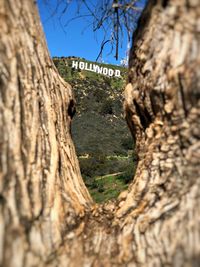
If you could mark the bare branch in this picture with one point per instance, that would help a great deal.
(101, 50)
(114, 17)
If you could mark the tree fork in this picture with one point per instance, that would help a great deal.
(47, 217)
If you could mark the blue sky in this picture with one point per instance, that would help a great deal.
(77, 38)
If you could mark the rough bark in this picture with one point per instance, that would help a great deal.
(162, 110)
(47, 217)
(42, 192)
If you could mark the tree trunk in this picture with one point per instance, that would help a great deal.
(47, 217)
(42, 192)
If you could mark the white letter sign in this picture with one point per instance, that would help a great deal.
(95, 68)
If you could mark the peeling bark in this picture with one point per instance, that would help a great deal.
(47, 217)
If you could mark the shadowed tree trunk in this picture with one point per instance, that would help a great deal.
(47, 217)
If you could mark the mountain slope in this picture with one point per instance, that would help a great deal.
(99, 131)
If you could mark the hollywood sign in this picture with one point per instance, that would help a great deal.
(95, 68)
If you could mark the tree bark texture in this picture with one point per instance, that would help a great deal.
(42, 192)
(47, 217)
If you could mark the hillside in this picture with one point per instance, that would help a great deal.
(100, 133)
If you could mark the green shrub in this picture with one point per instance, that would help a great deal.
(99, 94)
(101, 188)
(127, 143)
(92, 166)
(127, 176)
(93, 184)
(88, 167)
(107, 107)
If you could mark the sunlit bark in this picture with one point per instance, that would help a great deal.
(47, 217)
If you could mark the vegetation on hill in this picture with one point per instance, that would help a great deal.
(99, 131)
